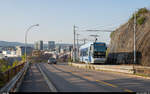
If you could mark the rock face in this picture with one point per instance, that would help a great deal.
(122, 39)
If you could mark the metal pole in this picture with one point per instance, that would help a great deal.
(84, 41)
(77, 47)
(26, 34)
(134, 42)
(74, 45)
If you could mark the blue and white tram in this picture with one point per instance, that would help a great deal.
(94, 52)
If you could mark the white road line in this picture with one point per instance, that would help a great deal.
(50, 85)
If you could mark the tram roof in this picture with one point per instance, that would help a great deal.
(88, 44)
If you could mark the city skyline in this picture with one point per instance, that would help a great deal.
(56, 18)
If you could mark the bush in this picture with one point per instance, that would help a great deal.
(112, 33)
(3, 65)
(107, 52)
(142, 11)
(140, 20)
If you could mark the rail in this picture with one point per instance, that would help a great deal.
(13, 76)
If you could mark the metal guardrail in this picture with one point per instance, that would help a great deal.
(12, 84)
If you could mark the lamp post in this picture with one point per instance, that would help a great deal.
(26, 34)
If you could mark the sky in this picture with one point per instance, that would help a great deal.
(57, 17)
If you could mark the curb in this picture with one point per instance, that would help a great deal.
(50, 85)
(90, 67)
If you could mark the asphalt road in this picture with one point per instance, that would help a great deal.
(70, 79)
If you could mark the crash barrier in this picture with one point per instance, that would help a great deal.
(116, 68)
(13, 76)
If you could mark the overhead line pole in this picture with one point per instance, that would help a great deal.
(78, 46)
(74, 45)
(134, 42)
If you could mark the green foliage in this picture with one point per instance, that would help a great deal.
(107, 52)
(3, 65)
(15, 63)
(142, 11)
(3, 68)
(23, 57)
(112, 33)
(140, 20)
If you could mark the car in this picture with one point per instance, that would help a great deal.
(52, 61)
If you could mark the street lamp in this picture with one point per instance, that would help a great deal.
(26, 33)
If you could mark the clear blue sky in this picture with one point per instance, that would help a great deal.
(57, 17)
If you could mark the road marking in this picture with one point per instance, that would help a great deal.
(112, 85)
(50, 85)
(127, 90)
(107, 83)
(90, 78)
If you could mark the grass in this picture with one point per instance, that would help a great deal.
(143, 75)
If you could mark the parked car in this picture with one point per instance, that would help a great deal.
(52, 61)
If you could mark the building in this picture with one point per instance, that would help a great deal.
(51, 45)
(9, 53)
(38, 45)
(21, 50)
(6, 48)
(58, 48)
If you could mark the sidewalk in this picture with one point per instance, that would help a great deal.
(33, 81)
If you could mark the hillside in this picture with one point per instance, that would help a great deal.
(5, 43)
(121, 46)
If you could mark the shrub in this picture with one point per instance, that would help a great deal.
(142, 11)
(107, 52)
(140, 20)
(111, 34)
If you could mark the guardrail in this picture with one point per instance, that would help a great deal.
(12, 80)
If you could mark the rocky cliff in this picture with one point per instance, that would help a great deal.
(121, 46)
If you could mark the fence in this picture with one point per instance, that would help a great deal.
(9, 74)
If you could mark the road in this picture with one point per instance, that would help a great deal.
(70, 79)
(34, 81)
